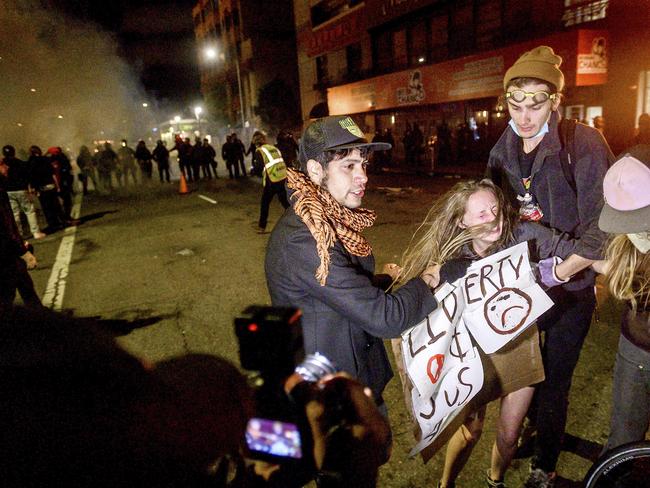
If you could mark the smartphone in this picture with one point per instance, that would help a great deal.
(273, 440)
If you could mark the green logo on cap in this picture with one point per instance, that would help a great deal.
(349, 125)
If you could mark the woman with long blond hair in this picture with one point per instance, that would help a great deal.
(470, 222)
(626, 215)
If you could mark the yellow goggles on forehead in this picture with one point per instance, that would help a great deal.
(537, 97)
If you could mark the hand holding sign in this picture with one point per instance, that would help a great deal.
(454, 269)
(502, 297)
(495, 301)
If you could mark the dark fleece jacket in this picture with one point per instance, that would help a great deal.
(573, 212)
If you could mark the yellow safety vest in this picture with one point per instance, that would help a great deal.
(274, 165)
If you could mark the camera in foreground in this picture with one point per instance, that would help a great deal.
(271, 350)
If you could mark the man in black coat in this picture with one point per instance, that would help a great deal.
(318, 261)
(43, 182)
(237, 152)
(161, 157)
(207, 161)
(227, 156)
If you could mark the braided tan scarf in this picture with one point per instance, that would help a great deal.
(328, 220)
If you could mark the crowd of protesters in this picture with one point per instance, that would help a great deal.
(46, 176)
(196, 161)
(318, 260)
(50, 177)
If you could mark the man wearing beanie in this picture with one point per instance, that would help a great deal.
(560, 188)
(318, 260)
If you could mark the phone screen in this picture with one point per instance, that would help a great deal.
(273, 437)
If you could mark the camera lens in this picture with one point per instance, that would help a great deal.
(314, 367)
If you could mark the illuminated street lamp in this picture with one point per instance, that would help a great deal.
(145, 104)
(211, 54)
(197, 112)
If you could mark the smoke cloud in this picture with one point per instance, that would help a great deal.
(62, 82)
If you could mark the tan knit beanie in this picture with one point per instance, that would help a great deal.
(541, 63)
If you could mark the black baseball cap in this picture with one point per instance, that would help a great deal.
(332, 134)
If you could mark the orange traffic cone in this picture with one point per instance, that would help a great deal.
(182, 187)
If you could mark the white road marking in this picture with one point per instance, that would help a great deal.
(53, 297)
(207, 199)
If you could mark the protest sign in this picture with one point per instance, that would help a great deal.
(501, 297)
(494, 302)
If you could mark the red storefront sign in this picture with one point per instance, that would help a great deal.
(592, 59)
(333, 36)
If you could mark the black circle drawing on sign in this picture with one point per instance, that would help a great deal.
(507, 310)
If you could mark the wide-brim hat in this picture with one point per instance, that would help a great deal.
(626, 189)
(332, 134)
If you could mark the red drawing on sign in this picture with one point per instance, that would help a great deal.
(439, 359)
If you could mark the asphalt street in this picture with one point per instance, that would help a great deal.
(172, 271)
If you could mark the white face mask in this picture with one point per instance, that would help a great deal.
(641, 241)
(543, 131)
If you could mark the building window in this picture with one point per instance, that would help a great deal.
(461, 28)
(383, 51)
(643, 97)
(581, 11)
(353, 55)
(328, 9)
(516, 19)
(488, 24)
(321, 70)
(418, 48)
(400, 57)
(439, 28)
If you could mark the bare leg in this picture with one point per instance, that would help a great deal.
(513, 410)
(460, 446)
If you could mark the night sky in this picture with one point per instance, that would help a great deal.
(74, 72)
(163, 29)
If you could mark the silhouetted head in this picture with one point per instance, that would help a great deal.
(9, 151)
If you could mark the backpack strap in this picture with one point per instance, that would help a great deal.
(567, 131)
